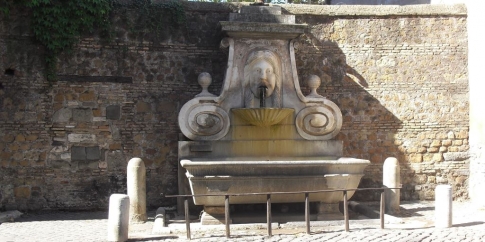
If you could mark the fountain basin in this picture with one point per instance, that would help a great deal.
(263, 117)
(212, 177)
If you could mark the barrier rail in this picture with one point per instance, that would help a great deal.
(268, 206)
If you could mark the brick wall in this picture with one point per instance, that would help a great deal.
(399, 78)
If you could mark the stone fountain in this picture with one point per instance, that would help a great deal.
(262, 134)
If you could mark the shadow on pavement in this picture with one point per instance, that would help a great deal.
(413, 212)
(468, 224)
(61, 215)
(153, 238)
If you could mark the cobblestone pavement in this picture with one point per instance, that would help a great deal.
(415, 223)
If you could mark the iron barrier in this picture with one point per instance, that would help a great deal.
(268, 206)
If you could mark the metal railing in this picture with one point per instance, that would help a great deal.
(268, 206)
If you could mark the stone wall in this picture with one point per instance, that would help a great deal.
(399, 77)
(394, 2)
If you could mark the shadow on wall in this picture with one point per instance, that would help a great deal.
(369, 128)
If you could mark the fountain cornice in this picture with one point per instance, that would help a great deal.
(255, 30)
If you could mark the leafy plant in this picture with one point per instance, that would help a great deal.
(58, 25)
(153, 19)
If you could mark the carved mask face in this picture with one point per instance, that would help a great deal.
(262, 74)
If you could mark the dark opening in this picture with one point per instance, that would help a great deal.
(10, 72)
(1, 86)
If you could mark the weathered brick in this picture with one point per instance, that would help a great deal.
(88, 96)
(415, 158)
(22, 192)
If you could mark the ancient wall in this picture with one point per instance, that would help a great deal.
(393, 2)
(399, 75)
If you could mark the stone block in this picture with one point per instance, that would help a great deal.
(463, 134)
(9, 216)
(22, 192)
(20, 138)
(31, 137)
(142, 107)
(8, 138)
(103, 165)
(456, 156)
(113, 112)
(87, 164)
(441, 180)
(457, 142)
(453, 149)
(66, 156)
(78, 153)
(82, 115)
(89, 104)
(415, 158)
(87, 96)
(80, 138)
(97, 112)
(436, 157)
(61, 164)
(436, 143)
(451, 135)
(99, 119)
(115, 146)
(92, 153)
(62, 115)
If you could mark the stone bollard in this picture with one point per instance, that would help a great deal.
(443, 206)
(160, 223)
(118, 217)
(136, 182)
(161, 217)
(392, 178)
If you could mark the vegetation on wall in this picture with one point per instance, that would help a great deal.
(58, 24)
(152, 19)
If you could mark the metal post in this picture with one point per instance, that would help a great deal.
(346, 212)
(307, 213)
(383, 208)
(268, 214)
(187, 219)
(226, 208)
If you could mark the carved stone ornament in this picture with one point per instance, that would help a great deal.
(321, 122)
(203, 120)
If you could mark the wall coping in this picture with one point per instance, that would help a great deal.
(343, 10)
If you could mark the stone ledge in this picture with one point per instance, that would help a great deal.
(376, 10)
(343, 10)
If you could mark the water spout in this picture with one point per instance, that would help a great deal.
(262, 96)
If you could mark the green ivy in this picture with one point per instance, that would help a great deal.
(59, 24)
(153, 19)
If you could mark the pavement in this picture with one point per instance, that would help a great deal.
(415, 222)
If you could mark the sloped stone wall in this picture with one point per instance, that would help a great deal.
(399, 78)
